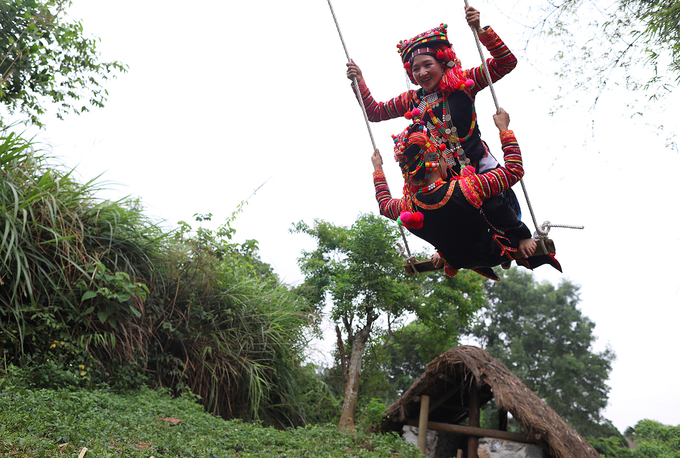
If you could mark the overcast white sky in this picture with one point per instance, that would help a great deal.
(222, 96)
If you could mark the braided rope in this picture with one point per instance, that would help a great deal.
(542, 232)
(410, 259)
(355, 84)
(485, 67)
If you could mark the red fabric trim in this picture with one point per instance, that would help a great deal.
(450, 271)
(441, 203)
(506, 248)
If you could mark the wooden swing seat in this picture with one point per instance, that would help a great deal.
(427, 266)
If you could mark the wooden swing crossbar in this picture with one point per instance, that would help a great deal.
(427, 266)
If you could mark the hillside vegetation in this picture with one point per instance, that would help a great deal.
(144, 423)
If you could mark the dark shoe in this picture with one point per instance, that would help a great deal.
(536, 261)
(487, 272)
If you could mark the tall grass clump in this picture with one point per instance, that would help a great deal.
(229, 330)
(93, 292)
(73, 269)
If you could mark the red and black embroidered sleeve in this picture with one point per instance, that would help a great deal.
(477, 188)
(389, 207)
(382, 111)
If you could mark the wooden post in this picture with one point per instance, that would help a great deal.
(502, 420)
(473, 416)
(422, 423)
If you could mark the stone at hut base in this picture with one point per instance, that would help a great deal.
(496, 448)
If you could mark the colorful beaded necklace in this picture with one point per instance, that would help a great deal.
(446, 119)
(447, 134)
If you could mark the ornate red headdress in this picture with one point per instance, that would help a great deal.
(436, 43)
(418, 155)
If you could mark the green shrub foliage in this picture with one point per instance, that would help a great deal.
(93, 292)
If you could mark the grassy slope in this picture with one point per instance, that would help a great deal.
(37, 423)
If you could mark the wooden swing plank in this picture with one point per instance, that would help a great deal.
(427, 266)
(549, 244)
(421, 266)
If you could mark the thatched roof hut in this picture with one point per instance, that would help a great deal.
(457, 383)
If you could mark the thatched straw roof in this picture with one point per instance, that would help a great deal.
(450, 376)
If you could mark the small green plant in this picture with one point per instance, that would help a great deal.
(116, 289)
(372, 415)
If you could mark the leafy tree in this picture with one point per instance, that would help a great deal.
(537, 331)
(446, 306)
(635, 32)
(654, 440)
(358, 270)
(630, 44)
(44, 57)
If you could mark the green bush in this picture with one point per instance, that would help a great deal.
(97, 293)
(372, 415)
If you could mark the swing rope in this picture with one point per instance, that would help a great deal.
(410, 259)
(541, 231)
(355, 84)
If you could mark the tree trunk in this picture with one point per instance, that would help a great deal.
(349, 405)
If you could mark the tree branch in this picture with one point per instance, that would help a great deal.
(389, 331)
(341, 351)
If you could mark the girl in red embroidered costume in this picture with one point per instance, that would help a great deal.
(445, 101)
(452, 213)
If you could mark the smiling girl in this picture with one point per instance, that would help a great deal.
(445, 101)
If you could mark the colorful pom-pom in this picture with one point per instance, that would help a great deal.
(469, 83)
(415, 112)
(417, 220)
(408, 115)
(461, 85)
(467, 171)
(442, 146)
(411, 220)
(440, 55)
(407, 66)
(405, 218)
